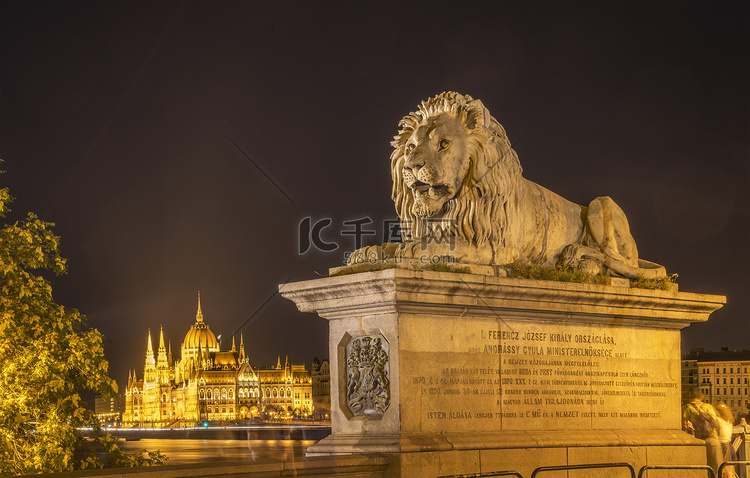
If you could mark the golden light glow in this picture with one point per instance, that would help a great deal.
(208, 384)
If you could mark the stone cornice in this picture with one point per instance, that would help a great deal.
(452, 294)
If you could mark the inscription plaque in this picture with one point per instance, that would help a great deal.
(519, 376)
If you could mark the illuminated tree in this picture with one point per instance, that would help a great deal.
(48, 356)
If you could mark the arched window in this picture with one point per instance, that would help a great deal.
(223, 409)
(281, 393)
(241, 394)
(209, 393)
(268, 393)
(275, 393)
(231, 393)
(289, 392)
(223, 393)
(216, 393)
(209, 409)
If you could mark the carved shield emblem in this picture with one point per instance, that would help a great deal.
(368, 389)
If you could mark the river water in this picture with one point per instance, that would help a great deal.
(192, 451)
(226, 445)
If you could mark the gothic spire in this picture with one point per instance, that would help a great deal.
(242, 348)
(199, 358)
(199, 314)
(161, 340)
(150, 349)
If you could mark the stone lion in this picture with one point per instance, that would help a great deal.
(459, 193)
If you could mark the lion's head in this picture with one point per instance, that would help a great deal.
(453, 169)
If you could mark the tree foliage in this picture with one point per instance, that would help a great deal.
(48, 356)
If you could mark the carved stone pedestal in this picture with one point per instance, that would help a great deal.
(459, 373)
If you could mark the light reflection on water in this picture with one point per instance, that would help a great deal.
(191, 451)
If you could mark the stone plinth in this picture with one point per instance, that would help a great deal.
(461, 373)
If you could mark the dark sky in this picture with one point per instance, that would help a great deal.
(178, 145)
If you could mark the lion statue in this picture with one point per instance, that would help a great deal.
(459, 193)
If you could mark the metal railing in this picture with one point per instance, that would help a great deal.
(484, 475)
(643, 470)
(743, 447)
(590, 466)
(742, 471)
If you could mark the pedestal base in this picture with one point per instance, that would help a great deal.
(431, 455)
(460, 373)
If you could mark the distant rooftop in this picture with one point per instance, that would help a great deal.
(725, 355)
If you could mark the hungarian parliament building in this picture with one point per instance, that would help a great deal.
(208, 384)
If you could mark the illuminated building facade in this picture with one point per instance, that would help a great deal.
(321, 383)
(209, 384)
(722, 377)
(108, 410)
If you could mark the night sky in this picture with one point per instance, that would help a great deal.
(177, 146)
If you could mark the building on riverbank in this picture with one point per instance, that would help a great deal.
(722, 376)
(208, 384)
(108, 410)
(321, 389)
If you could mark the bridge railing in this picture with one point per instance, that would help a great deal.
(705, 468)
(488, 474)
(590, 466)
(741, 445)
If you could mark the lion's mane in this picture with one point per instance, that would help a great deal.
(479, 212)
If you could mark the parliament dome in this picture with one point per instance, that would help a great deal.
(200, 335)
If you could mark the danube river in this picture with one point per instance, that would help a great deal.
(223, 445)
(183, 452)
